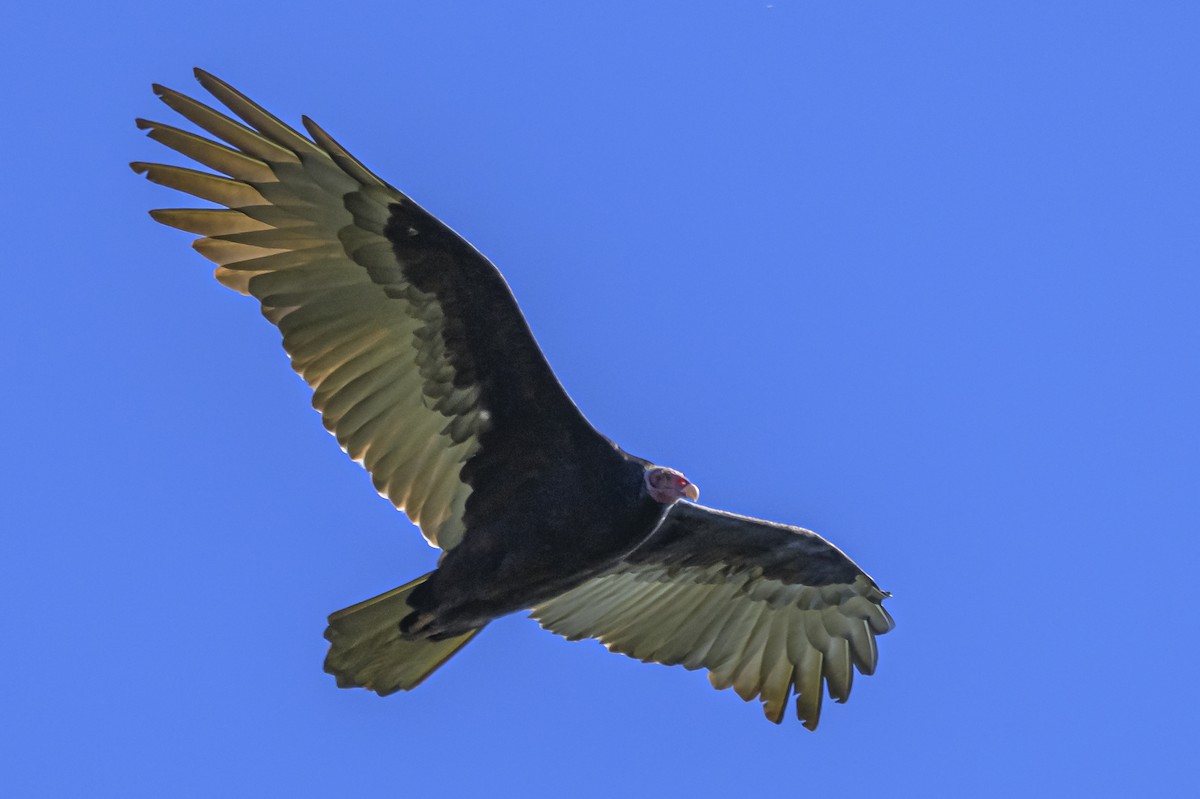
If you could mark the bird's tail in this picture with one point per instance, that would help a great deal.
(367, 649)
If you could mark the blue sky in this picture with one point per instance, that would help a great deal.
(930, 271)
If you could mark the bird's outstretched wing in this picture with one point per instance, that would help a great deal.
(768, 609)
(410, 339)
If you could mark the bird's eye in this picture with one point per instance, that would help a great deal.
(681, 482)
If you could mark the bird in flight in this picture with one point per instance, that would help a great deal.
(423, 367)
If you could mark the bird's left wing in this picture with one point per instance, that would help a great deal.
(768, 609)
(410, 339)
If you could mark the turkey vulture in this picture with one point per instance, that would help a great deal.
(424, 369)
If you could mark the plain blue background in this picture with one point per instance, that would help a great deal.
(922, 277)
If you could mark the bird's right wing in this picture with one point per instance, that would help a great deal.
(768, 609)
(410, 339)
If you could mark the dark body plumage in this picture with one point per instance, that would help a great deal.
(524, 542)
(423, 367)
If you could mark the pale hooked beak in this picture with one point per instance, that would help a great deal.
(691, 491)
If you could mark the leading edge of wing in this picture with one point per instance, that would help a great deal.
(696, 535)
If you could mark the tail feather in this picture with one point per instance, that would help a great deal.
(367, 650)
